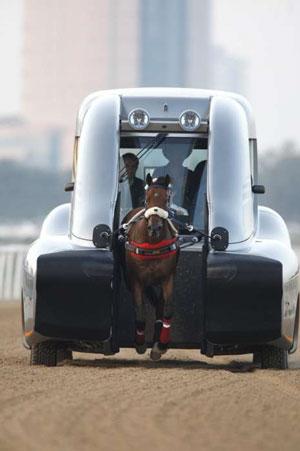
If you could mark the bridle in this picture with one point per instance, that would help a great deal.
(147, 212)
(159, 186)
(218, 236)
(148, 251)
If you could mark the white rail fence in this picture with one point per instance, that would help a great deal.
(11, 267)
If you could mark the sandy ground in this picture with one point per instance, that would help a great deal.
(126, 402)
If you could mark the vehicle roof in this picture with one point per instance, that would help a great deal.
(161, 92)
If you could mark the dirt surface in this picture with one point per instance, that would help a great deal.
(126, 402)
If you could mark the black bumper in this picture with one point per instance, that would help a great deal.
(239, 304)
(243, 299)
(74, 295)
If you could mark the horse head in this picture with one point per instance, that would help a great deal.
(158, 194)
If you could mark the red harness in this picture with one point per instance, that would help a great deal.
(148, 251)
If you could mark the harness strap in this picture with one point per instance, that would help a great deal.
(172, 227)
(162, 249)
(134, 219)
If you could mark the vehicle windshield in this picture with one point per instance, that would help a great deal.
(183, 158)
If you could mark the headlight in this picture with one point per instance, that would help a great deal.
(189, 120)
(138, 119)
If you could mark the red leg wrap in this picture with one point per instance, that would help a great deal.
(139, 337)
(165, 331)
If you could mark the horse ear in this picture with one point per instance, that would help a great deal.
(167, 180)
(148, 179)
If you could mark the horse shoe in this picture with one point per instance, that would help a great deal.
(141, 349)
(156, 352)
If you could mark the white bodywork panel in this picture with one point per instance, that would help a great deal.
(57, 223)
(230, 199)
(156, 94)
(273, 241)
(96, 183)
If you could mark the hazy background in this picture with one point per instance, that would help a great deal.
(53, 53)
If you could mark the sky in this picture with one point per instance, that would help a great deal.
(265, 34)
(10, 54)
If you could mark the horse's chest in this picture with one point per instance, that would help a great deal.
(153, 271)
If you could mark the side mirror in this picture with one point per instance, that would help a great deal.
(258, 189)
(69, 186)
(102, 236)
(219, 239)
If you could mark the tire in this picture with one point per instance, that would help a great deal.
(274, 358)
(257, 358)
(25, 344)
(296, 330)
(44, 353)
(64, 354)
(22, 313)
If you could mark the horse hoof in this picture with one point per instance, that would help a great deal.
(157, 351)
(141, 349)
(163, 348)
(155, 355)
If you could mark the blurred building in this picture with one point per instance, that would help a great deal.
(71, 48)
(175, 43)
(228, 71)
(30, 145)
(74, 47)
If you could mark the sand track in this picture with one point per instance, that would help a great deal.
(126, 402)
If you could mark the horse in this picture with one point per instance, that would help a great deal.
(151, 255)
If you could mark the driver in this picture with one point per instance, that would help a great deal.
(179, 176)
(137, 186)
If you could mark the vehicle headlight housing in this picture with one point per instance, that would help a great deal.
(138, 119)
(189, 120)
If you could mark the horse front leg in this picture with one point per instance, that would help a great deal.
(163, 323)
(140, 322)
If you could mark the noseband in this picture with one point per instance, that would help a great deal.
(156, 211)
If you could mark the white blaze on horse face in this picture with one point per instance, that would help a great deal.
(155, 226)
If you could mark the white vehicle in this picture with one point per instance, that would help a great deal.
(236, 289)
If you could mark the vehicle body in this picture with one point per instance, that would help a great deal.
(239, 298)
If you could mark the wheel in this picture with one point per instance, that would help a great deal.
(23, 322)
(44, 353)
(257, 358)
(272, 357)
(296, 330)
(64, 354)
(22, 312)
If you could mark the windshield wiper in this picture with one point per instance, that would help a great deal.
(159, 138)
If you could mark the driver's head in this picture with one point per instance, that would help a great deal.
(131, 163)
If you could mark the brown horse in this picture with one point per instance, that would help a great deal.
(151, 259)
